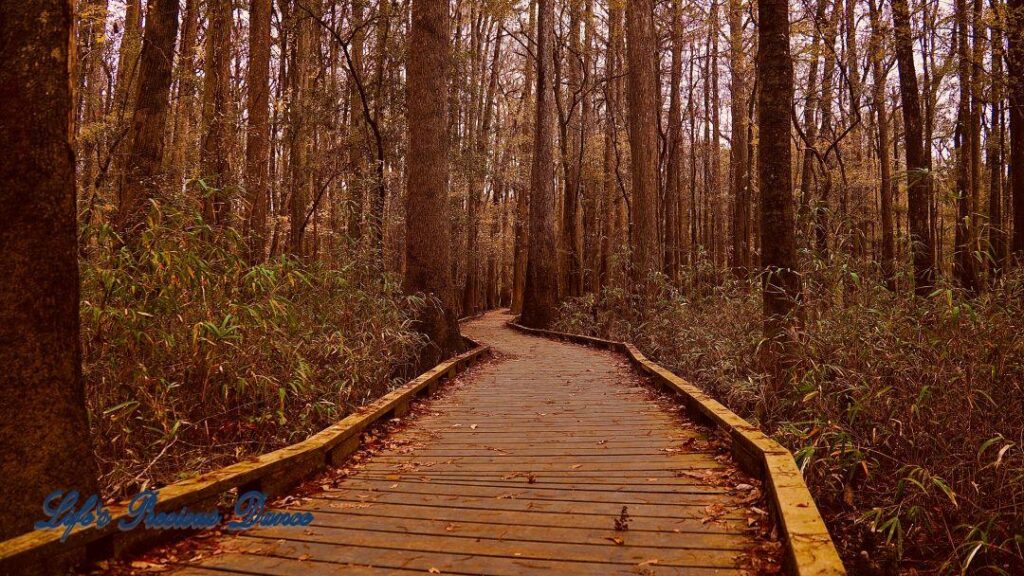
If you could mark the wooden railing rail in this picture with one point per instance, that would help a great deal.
(42, 552)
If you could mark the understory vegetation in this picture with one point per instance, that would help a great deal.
(194, 359)
(906, 415)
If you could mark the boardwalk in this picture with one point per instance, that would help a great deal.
(552, 458)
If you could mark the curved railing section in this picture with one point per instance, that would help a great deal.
(809, 550)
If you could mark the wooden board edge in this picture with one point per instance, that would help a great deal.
(809, 549)
(42, 552)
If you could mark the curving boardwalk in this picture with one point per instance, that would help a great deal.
(532, 463)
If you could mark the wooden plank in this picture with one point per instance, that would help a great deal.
(361, 547)
(444, 563)
(514, 532)
(536, 517)
(527, 467)
(809, 547)
(358, 488)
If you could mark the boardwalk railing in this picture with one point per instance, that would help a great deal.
(42, 552)
(808, 547)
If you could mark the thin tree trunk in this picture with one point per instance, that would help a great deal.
(1015, 63)
(257, 149)
(185, 96)
(811, 102)
(522, 214)
(673, 184)
(917, 168)
(878, 74)
(996, 231)
(963, 259)
(215, 169)
(143, 178)
(301, 129)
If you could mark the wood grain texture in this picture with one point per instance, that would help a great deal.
(522, 466)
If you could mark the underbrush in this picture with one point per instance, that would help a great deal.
(194, 359)
(906, 415)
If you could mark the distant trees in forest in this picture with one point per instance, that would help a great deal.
(519, 154)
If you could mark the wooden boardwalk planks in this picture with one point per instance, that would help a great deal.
(523, 467)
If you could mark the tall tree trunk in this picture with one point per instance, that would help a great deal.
(357, 130)
(573, 151)
(917, 167)
(215, 170)
(963, 258)
(540, 296)
(182, 142)
(44, 429)
(522, 214)
(810, 123)
(1015, 63)
(427, 230)
(471, 293)
(996, 231)
(822, 209)
(143, 178)
(878, 74)
(852, 201)
(611, 199)
(257, 147)
(301, 122)
(717, 197)
(95, 39)
(738, 148)
(127, 61)
(781, 280)
(673, 178)
(642, 80)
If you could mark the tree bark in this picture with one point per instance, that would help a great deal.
(917, 167)
(522, 213)
(44, 428)
(1015, 63)
(183, 142)
(215, 168)
(674, 166)
(878, 74)
(143, 178)
(964, 272)
(427, 229)
(642, 80)
(740, 126)
(257, 148)
(540, 297)
(301, 123)
(996, 232)
(781, 280)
